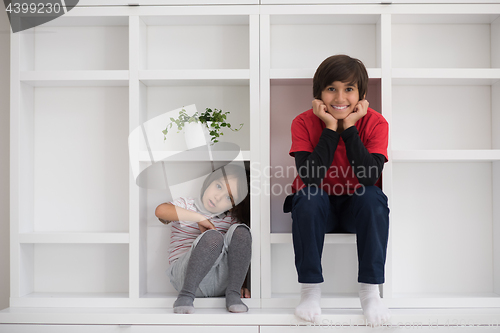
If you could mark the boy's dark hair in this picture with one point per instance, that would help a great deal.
(341, 68)
(241, 211)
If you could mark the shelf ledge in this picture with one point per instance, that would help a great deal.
(195, 77)
(446, 155)
(76, 78)
(286, 238)
(191, 156)
(74, 237)
(254, 317)
(308, 73)
(448, 76)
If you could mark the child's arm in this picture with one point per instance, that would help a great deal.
(368, 166)
(312, 166)
(169, 212)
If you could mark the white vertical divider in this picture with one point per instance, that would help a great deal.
(495, 93)
(265, 145)
(495, 44)
(25, 186)
(143, 107)
(21, 165)
(495, 144)
(255, 145)
(134, 191)
(384, 42)
(15, 167)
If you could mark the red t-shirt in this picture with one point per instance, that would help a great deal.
(340, 178)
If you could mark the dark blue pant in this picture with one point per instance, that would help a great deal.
(365, 213)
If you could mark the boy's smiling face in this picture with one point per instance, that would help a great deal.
(340, 98)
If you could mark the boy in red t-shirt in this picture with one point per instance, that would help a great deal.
(340, 147)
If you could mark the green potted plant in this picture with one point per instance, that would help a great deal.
(212, 120)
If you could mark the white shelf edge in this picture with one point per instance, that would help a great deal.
(428, 318)
(195, 156)
(446, 73)
(286, 238)
(76, 78)
(74, 237)
(308, 73)
(74, 75)
(460, 300)
(195, 74)
(446, 76)
(445, 155)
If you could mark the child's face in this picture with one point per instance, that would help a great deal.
(340, 98)
(216, 198)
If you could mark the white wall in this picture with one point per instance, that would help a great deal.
(4, 156)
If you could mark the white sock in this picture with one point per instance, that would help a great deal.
(309, 308)
(374, 309)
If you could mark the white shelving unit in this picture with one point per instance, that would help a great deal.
(434, 75)
(84, 236)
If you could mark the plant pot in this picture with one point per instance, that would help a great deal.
(196, 134)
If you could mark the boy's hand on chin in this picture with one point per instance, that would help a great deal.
(360, 110)
(320, 110)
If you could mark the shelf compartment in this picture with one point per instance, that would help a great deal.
(156, 286)
(446, 41)
(293, 37)
(194, 42)
(443, 228)
(157, 101)
(70, 132)
(76, 43)
(75, 78)
(74, 269)
(445, 117)
(74, 238)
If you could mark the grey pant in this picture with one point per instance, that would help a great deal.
(215, 282)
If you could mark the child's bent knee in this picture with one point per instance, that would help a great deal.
(241, 231)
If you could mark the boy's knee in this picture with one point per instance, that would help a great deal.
(369, 193)
(372, 198)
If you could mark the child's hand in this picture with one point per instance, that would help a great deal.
(358, 112)
(245, 293)
(205, 225)
(320, 110)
